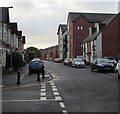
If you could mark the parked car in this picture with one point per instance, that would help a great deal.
(59, 60)
(78, 63)
(50, 59)
(66, 61)
(70, 62)
(117, 70)
(112, 60)
(54, 60)
(102, 64)
(47, 59)
(35, 66)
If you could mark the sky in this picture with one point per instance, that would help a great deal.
(39, 19)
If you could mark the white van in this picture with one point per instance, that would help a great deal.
(117, 70)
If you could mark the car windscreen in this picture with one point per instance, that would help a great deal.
(35, 62)
(78, 60)
(103, 60)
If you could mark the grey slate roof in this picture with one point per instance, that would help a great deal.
(19, 34)
(13, 27)
(91, 17)
(23, 39)
(63, 28)
(94, 35)
(4, 15)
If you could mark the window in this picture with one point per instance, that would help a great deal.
(80, 36)
(80, 27)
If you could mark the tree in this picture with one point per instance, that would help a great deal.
(32, 52)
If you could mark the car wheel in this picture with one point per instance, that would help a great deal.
(29, 73)
(118, 75)
(91, 69)
(98, 70)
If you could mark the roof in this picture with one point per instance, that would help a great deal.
(94, 35)
(19, 34)
(23, 39)
(13, 28)
(63, 28)
(91, 17)
(4, 15)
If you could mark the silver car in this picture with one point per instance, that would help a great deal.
(117, 70)
(78, 63)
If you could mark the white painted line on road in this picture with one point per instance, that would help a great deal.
(43, 98)
(64, 112)
(43, 90)
(43, 94)
(54, 89)
(62, 104)
(53, 86)
(58, 98)
(42, 87)
(56, 93)
(43, 84)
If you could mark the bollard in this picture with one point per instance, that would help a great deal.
(18, 76)
(43, 74)
(38, 76)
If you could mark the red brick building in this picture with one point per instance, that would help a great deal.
(105, 42)
(79, 26)
(50, 52)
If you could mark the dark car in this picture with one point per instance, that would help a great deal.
(102, 64)
(36, 66)
(112, 60)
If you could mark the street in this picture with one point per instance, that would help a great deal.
(65, 89)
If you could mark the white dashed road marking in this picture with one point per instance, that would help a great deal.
(56, 93)
(43, 89)
(62, 104)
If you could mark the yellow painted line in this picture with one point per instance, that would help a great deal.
(15, 87)
(2, 86)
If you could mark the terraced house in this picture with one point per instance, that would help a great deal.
(80, 26)
(9, 39)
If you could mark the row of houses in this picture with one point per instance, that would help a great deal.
(50, 52)
(11, 39)
(89, 36)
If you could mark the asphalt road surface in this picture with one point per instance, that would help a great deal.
(65, 90)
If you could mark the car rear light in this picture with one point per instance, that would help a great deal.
(40, 61)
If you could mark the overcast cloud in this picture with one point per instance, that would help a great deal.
(39, 20)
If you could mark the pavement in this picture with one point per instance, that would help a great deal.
(10, 80)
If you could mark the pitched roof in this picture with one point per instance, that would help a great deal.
(13, 28)
(19, 34)
(91, 17)
(63, 28)
(94, 35)
(23, 39)
(4, 15)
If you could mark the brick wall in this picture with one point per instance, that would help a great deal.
(110, 39)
